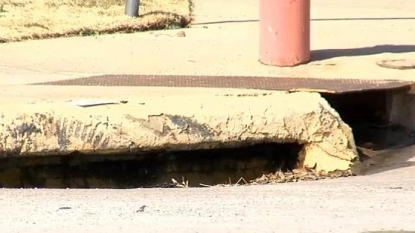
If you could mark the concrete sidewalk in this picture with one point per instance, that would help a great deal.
(348, 39)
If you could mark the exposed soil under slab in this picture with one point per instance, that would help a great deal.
(261, 163)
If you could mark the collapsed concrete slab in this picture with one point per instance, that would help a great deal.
(181, 123)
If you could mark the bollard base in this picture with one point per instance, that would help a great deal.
(284, 63)
(284, 32)
(132, 8)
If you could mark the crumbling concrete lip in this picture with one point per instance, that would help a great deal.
(182, 123)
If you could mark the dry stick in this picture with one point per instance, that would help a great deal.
(177, 183)
(241, 179)
(205, 185)
(174, 181)
(185, 183)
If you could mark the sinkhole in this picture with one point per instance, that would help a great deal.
(197, 168)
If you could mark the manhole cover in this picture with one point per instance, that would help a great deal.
(399, 64)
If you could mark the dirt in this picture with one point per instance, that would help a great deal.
(252, 165)
(29, 19)
(298, 175)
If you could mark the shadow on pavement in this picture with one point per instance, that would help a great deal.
(328, 19)
(388, 232)
(386, 160)
(318, 55)
(364, 19)
(228, 21)
(387, 149)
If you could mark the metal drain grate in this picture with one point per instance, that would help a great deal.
(245, 82)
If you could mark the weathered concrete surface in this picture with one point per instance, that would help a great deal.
(182, 123)
(348, 39)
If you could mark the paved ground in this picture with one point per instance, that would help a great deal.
(348, 205)
(381, 201)
(352, 36)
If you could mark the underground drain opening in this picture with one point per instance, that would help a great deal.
(368, 113)
(198, 168)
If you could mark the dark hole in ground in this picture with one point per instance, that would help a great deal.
(364, 112)
(361, 110)
(208, 167)
(368, 114)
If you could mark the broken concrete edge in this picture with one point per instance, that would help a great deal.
(182, 123)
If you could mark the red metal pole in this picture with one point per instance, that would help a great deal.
(284, 32)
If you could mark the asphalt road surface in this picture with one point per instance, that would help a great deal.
(378, 202)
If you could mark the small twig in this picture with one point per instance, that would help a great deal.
(241, 179)
(205, 185)
(185, 183)
(230, 181)
(176, 183)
